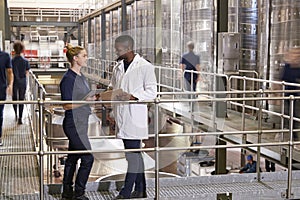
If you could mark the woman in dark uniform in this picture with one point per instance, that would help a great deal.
(20, 69)
(74, 86)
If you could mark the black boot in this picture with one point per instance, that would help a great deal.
(82, 197)
(136, 194)
(67, 193)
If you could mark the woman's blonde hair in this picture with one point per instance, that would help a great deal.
(72, 51)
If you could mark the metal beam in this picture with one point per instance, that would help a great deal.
(158, 31)
(7, 22)
(222, 26)
(89, 30)
(43, 23)
(4, 23)
(124, 13)
(107, 8)
(103, 35)
(79, 34)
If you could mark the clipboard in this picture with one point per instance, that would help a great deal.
(93, 93)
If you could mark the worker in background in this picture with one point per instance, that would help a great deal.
(74, 87)
(250, 167)
(291, 74)
(20, 68)
(6, 82)
(190, 61)
(134, 79)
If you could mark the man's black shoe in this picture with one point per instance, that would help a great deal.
(120, 197)
(82, 197)
(136, 194)
(67, 193)
(66, 197)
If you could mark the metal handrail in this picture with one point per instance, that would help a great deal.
(157, 149)
(41, 102)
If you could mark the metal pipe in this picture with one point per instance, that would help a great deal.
(263, 80)
(259, 128)
(186, 134)
(160, 149)
(35, 115)
(244, 136)
(161, 101)
(156, 149)
(231, 78)
(124, 15)
(152, 149)
(282, 113)
(41, 146)
(249, 71)
(49, 130)
(232, 92)
(289, 185)
(268, 112)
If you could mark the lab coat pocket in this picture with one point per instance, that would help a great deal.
(139, 116)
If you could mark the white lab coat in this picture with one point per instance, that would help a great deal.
(140, 81)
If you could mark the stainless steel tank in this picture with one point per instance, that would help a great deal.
(198, 25)
(107, 144)
(285, 34)
(113, 163)
(168, 159)
(243, 18)
(54, 130)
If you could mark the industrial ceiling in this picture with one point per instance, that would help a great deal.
(45, 3)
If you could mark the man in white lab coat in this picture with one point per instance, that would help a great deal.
(133, 79)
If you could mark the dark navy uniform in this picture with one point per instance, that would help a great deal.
(20, 66)
(190, 60)
(75, 125)
(5, 62)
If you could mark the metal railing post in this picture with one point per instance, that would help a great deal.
(259, 135)
(244, 137)
(291, 142)
(282, 119)
(41, 146)
(156, 116)
(244, 102)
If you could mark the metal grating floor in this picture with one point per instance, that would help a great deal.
(19, 174)
(245, 187)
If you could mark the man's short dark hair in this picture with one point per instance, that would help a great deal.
(125, 39)
(190, 45)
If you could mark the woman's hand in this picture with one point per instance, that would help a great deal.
(92, 98)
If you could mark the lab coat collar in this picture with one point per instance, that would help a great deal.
(133, 63)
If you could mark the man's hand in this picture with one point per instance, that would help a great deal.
(199, 78)
(120, 95)
(116, 95)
